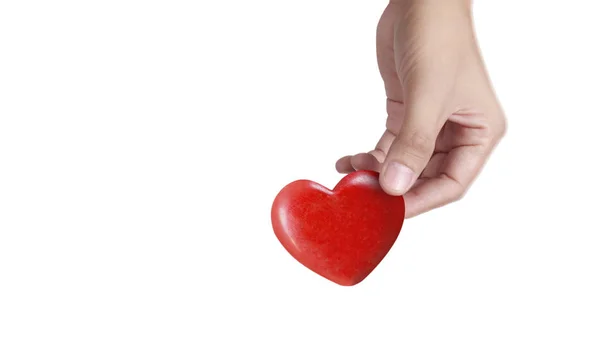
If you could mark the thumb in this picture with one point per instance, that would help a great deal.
(414, 145)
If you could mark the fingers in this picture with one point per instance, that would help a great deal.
(434, 167)
(374, 158)
(361, 161)
(366, 161)
(430, 194)
(428, 87)
(413, 147)
(456, 171)
(384, 144)
(344, 166)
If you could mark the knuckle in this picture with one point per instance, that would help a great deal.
(498, 124)
(501, 127)
(496, 130)
(458, 195)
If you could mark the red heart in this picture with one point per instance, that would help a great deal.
(342, 234)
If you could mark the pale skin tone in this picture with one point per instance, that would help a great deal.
(444, 119)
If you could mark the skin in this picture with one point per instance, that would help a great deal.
(444, 119)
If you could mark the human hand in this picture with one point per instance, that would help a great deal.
(444, 119)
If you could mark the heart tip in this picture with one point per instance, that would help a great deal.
(348, 283)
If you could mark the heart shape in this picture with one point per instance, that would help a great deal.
(340, 234)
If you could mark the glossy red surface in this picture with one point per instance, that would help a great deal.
(340, 234)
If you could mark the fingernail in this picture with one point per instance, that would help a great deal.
(398, 177)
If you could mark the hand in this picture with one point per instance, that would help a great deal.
(444, 119)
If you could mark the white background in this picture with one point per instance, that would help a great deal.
(142, 144)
